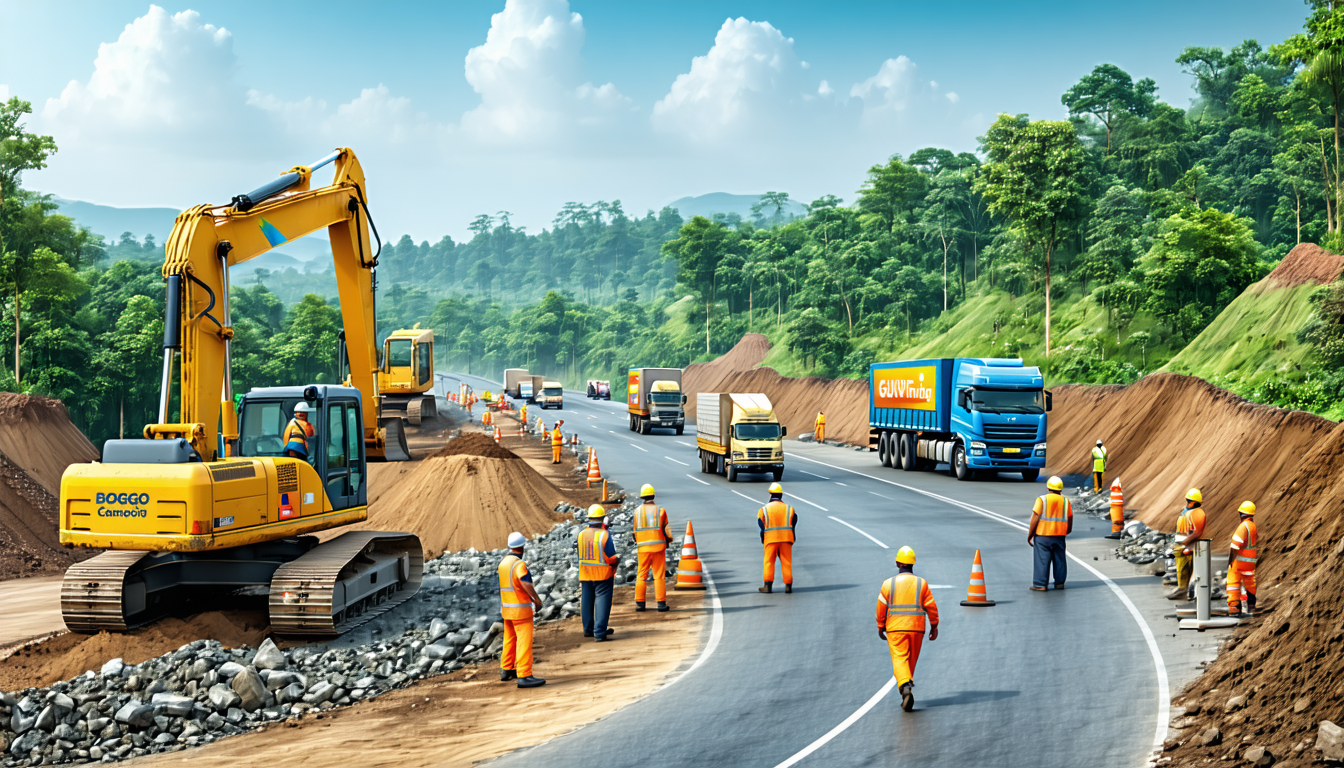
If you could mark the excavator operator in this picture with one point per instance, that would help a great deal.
(298, 432)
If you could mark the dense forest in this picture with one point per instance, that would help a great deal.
(1096, 246)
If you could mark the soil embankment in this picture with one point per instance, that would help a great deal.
(37, 442)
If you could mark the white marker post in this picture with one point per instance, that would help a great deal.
(1203, 578)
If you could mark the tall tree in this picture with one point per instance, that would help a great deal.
(891, 191)
(19, 150)
(1107, 93)
(1320, 50)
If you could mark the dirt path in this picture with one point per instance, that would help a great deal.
(469, 715)
(32, 607)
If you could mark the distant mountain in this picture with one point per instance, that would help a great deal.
(723, 202)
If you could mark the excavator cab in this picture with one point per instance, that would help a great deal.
(406, 377)
(336, 449)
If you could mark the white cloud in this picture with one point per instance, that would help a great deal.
(892, 88)
(824, 90)
(528, 74)
(953, 97)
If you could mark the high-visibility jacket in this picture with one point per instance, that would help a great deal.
(821, 420)
(1099, 459)
(1191, 521)
(904, 603)
(297, 434)
(777, 519)
(514, 603)
(594, 562)
(651, 528)
(557, 438)
(1244, 542)
(1055, 515)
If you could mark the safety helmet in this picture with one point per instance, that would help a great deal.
(646, 491)
(1098, 442)
(905, 556)
(597, 512)
(517, 540)
(304, 407)
(776, 488)
(1247, 508)
(1055, 484)
(1194, 495)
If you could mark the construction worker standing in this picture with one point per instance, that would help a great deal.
(778, 523)
(1098, 466)
(652, 537)
(1189, 529)
(597, 574)
(517, 600)
(903, 605)
(557, 440)
(819, 431)
(1051, 521)
(298, 431)
(1117, 510)
(1241, 563)
(522, 416)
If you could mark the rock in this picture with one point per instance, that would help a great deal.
(228, 669)
(292, 692)
(172, 704)
(277, 680)
(235, 715)
(1234, 703)
(437, 629)
(20, 724)
(46, 721)
(1301, 705)
(113, 668)
(269, 657)
(214, 722)
(321, 692)
(222, 697)
(1211, 737)
(63, 704)
(439, 651)
(136, 714)
(25, 744)
(67, 732)
(251, 693)
(1330, 740)
(98, 723)
(1259, 756)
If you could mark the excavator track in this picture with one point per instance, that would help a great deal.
(395, 447)
(413, 411)
(345, 582)
(93, 594)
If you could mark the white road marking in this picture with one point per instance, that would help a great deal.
(839, 729)
(715, 629)
(683, 442)
(805, 501)
(805, 472)
(1163, 685)
(682, 463)
(860, 530)
(837, 482)
(612, 431)
(942, 586)
(696, 479)
(745, 496)
(646, 450)
(881, 496)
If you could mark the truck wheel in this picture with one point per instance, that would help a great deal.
(779, 475)
(884, 449)
(906, 446)
(1030, 475)
(959, 469)
(681, 428)
(644, 426)
(732, 474)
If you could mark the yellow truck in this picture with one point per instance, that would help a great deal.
(552, 395)
(406, 381)
(654, 399)
(737, 433)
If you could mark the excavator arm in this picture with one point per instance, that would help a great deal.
(206, 240)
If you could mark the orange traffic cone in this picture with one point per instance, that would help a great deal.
(975, 594)
(594, 472)
(497, 435)
(690, 571)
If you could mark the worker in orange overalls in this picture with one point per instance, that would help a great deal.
(652, 537)
(557, 440)
(1051, 521)
(1241, 563)
(1117, 510)
(903, 605)
(778, 523)
(517, 598)
(1189, 529)
(819, 431)
(522, 415)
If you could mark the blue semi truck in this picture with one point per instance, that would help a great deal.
(977, 415)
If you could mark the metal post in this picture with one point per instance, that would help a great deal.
(1203, 583)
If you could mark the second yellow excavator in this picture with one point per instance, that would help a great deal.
(216, 502)
(406, 381)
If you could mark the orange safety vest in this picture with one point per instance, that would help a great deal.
(557, 438)
(907, 598)
(298, 432)
(1244, 542)
(821, 420)
(649, 522)
(1056, 512)
(1191, 521)
(514, 604)
(592, 562)
(778, 519)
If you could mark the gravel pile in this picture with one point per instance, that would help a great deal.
(203, 692)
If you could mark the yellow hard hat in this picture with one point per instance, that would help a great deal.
(597, 512)
(905, 556)
(1247, 508)
(1195, 495)
(776, 488)
(647, 490)
(1054, 484)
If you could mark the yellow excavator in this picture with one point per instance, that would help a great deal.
(221, 502)
(406, 382)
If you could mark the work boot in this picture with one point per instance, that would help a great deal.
(1175, 594)
(1038, 589)
(788, 589)
(639, 606)
(531, 682)
(908, 697)
(662, 606)
(768, 588)
(1250, 604)
(1112, 536)
(507, 674)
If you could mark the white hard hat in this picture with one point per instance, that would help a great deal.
(517, 540)
(304, 407)
(1098, 442)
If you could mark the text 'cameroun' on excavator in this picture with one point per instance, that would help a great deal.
(220, 502)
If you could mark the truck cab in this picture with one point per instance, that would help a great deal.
(737, 433)
(552, 395)
(999, 414)
(525, 390)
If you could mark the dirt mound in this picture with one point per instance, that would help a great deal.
(474, 444)
(1167, 433)
(746, 354)
(67, 655)
(1306, 263)
(37, 442)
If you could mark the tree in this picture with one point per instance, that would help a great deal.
(775, 200)
(942, 219)
(1141, 338)
(890, 192)
(19, 150)
(1034, 179)
(698, 249)
(1321, 51)
(1199, 262)
(1107, 93)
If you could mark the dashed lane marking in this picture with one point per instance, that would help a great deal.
(646, 450)
(881, 495)
(837, 482)
(805, 472)
(683, 442)
(696, 479)
(682, 463)
(745, 496)
(860, 530)
(805, 501)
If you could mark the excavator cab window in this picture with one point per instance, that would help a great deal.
(423, 352)
(343, 469)
(398, 353)
(262, 430)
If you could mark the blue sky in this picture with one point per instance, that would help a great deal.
(469, 107)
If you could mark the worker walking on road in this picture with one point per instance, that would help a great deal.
(652, 537)
(597, 574)
(904, 605)
(1051, 521)
(1241, 563)
(557, 440)
(517, 601)
(1098, 467)
(819, 431)
(298, 431)
(1189, 529)
(778, 523)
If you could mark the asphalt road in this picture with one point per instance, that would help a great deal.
(1054, 679)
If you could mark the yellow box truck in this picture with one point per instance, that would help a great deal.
(737, 433)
